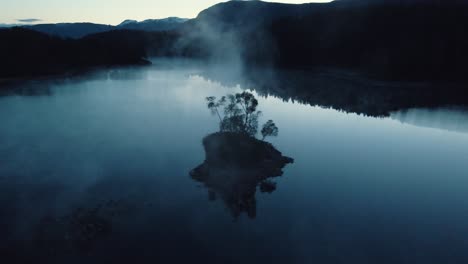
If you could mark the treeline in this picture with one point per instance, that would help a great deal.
(27, 53)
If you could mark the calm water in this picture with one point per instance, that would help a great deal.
(120, 145)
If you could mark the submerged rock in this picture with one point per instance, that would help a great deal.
(235, 164)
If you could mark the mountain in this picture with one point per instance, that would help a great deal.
(169, 23)
(70, 30)
(402, 2)
(398, 40)
(127, 21)
(9, 25)
(29, 53)
(79, 30)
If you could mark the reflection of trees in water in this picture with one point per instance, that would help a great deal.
(347, 91)
(24, 88)
(236, 163)
(45, 86)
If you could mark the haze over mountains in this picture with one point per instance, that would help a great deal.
(79, 30)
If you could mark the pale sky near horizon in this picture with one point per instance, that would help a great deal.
(104, 11)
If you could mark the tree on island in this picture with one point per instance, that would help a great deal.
(238, 113)
(269, 129)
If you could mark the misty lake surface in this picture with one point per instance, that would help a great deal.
(95, 169)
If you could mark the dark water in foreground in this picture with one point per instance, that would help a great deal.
(96, 170)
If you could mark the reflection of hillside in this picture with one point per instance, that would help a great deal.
(235, 166)
(347, 91)
(451, 119)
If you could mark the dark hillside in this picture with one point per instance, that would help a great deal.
(27, 53)
(397, 40)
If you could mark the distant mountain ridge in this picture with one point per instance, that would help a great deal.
(3, 25)
(79, 30)
(70, 30)
(169, 23)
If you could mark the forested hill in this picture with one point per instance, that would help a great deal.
(403, 40)
(27, 53)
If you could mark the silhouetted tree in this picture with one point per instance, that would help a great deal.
(213, 105)
(269, 129)
(240, 112)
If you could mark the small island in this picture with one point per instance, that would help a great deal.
(236, 162)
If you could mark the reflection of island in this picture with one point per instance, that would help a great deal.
(235, 164)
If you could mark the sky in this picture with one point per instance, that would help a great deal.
(103, 11)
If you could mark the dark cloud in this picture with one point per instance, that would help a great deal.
(29, 20)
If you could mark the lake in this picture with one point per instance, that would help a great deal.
(95, 169)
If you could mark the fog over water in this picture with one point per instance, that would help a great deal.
(361, 189)
(452, 119)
